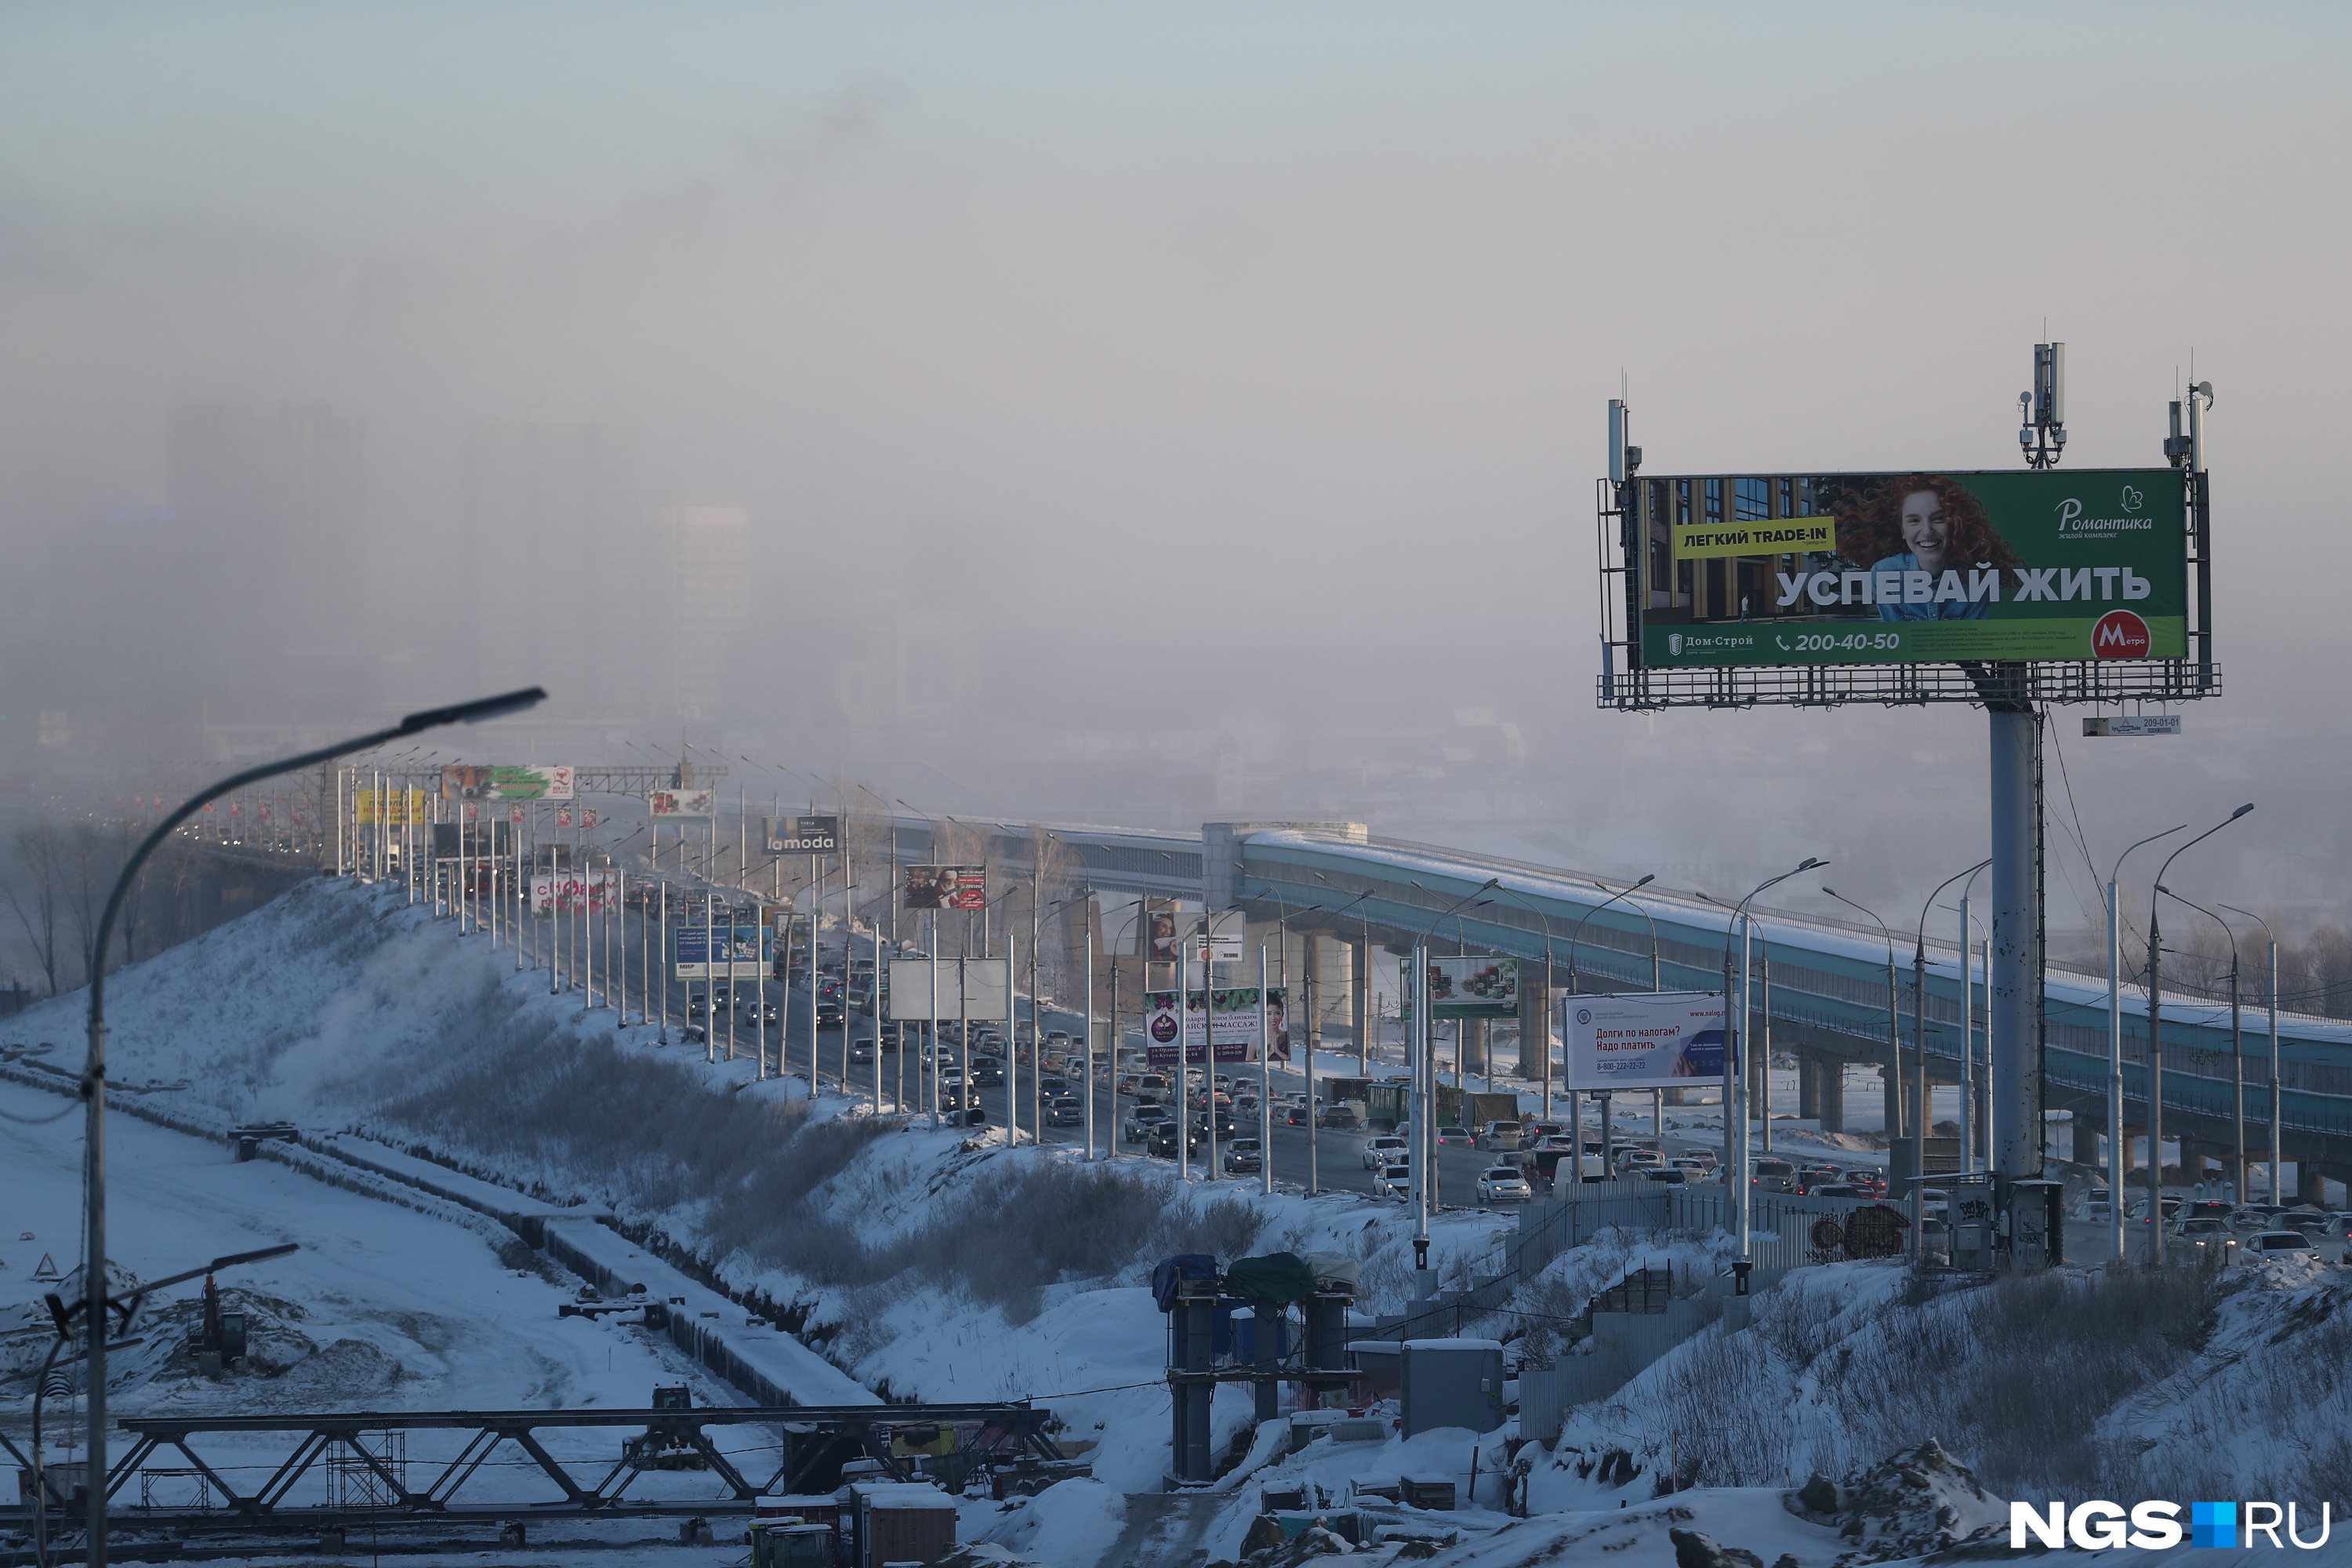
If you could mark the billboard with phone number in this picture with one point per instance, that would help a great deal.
(1228, 1024)
(1644, 1039)
(1920, 567)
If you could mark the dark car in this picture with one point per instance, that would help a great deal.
(828, 1014)
(1067, 1111)
(987, 1074)
(1161, 1142)
(1337, 1119)
(696, 1006)
(1052, 1087)
(1297, 1115)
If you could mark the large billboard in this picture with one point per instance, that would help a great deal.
(803, 834)
(1917, 567)
(1645, 1039)
(946, 888)
(721, 952)
(672, 805)
(569, 892)
(1481, 987)
(391, 807)
(969, 988)
(1229, 1025)
(541, 780)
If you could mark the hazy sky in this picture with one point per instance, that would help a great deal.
(1291, 320)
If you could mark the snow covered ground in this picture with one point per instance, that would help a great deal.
(938, 1266)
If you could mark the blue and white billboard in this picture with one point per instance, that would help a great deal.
(1645, 1039)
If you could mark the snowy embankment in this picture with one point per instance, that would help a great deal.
(924, 1265)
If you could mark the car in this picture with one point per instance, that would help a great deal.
(698, 1006)
(1163, 1141)
(828, 1014)
(1703, 1154)
(1661, 1174)
(2248, 1219)
(1057, 1039)
(1541, 1130)
(2203, 1233)
(861, 1053)
(1379, 1151)
(768, 1013)
(1337, 1119)
(1054, 1087)
(1455, 1135)
(1393, 1181)
(1069, 1111)
(1149, 1087)
(1127, 1086)
(2339, 1224)
(1244, 1154)
(1297, 1115)
(2095, 1211)
(1774, 1176)
(952, 1075)
(2310, 1222)
(1143, 1121)
(1501, 1137)
(1838, 1190)
(2272, 1244)
(987, 1074)
(1502, 1184)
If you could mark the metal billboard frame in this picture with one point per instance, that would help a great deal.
(1622, 538)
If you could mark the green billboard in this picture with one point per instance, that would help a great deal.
(1926, 568)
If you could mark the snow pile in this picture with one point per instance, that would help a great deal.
(1918, 1501)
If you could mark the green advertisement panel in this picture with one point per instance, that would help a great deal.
(1934, 568)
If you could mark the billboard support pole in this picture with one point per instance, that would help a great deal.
(1266, 1078)
(2013, 1007)
(1416, 1000)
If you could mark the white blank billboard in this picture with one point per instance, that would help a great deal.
(980, 993)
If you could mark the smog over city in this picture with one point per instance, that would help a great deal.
(1470, 497)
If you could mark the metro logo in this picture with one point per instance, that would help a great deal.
(2120, 634)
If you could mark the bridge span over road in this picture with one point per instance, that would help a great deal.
(1828, 994)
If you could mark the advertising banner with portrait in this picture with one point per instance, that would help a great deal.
(803, 834)
(1228, 1024)
(1644, 1039)
(946, 888)
(1918, 567)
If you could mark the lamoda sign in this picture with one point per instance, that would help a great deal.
(1896, 568)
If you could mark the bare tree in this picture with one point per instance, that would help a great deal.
(34, 891)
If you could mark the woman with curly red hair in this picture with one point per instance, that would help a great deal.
(1924, 523)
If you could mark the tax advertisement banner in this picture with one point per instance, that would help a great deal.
(1224, 1024)
(1919, 567)
(1644, 1039)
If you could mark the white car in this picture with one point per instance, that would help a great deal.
(1502, 1184)
(2272, 1243)
(1393, 1181)
(1383, 1152)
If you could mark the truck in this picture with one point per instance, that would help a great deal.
(900, 1522)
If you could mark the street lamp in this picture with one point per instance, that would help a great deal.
(1734, 1071)
(2156, 1043)
(93, 1081)
(2117, 1162)
(1894, 1096)
(2277, 1151)
(2237, 1046)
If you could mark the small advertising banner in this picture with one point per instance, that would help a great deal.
(572, 892)
(1221, 943)
(674, 804)
(541, 780)
(1228, 1024)
(804, 835)
(1481, 987)
(1645, 1039)
(741, 952)
(946, 888)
